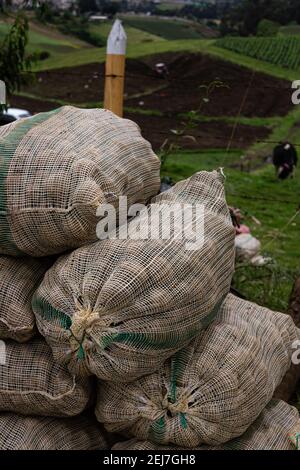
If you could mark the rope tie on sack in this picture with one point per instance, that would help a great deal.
(82, 322)
(180, 406)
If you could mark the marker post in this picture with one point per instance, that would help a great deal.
(115, 69)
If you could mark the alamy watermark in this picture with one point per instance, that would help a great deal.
(2, 353)
(2, 92)
(296, 353)
(296, 93)
(174, 221)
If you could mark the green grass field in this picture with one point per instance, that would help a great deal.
(47, 39)
(169, 6)
(134, 35)
(273, 203)
(167, 29)
(134, 50)
(257, 194)
(281, 51)
(290, 30)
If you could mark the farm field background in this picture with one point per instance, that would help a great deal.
(226, 133)
(282, 51)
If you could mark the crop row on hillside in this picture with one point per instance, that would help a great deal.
(167, 29)
(281, 51)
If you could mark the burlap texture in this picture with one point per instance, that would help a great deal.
(57, 168)
(119, 308)
(274, 429)
(31, 383)
(19, 278)
(44, 433)
(211, 391)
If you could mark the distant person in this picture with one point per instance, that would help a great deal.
(285, 160)
(162, 70)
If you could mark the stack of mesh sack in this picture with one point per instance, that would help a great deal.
(144, 312)
(216, 392)
(276, 428)
(179, 361)
(56, 170)
(118, 308)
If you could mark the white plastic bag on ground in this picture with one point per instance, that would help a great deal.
(246, 246)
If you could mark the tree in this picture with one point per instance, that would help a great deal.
(86, 6)
(267, 28)
(14, 66)
(244, 18)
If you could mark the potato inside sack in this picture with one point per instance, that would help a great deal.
(59, 167)
(118, 308)
(211, 391)
(32, 383)
(19, 278)
(276, 428)
(47, 433)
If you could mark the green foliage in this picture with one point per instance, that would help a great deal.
(79, 27)
(39, 55)
(260, 197)
(13, 63)
(267, 28)
(281, 51)
(44, 13)
(190, 120)
(244, 18)
(268, 285)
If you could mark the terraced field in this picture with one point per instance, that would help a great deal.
(281, 51)
(167, 29)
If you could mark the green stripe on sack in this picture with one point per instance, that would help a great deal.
(157, 431)
(156, 341)
(42, 308)
(160, 340)
(8, 147)
(179, 362)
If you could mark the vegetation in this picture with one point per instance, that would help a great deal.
(261, 197)
(13, 63)
(283, 51)
(244, 19)
(289, 30)
(267, 28)
(138, 49)
(134, 35)
(171, 30)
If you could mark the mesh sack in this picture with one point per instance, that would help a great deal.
(276, 428)
(211, 391)
(19, 278)
(119, 308)
(31, 383)
(57, 168)
(45, 433)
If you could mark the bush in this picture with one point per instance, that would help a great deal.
(267, 28)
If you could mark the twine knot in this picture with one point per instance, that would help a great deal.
(180, 406)
(82, 322)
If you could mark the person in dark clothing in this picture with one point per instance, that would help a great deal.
(285, 160)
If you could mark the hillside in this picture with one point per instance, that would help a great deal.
(252, 107)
